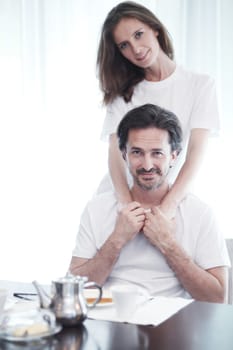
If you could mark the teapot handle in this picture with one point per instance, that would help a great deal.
(93, 284)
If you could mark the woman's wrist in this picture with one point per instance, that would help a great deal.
(169, 207)
(124, 200)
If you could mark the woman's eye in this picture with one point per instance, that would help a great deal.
(122, 46)
(138, 35)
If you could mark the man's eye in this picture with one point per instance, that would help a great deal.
(138, 35)
(135, 152)
(157, 154)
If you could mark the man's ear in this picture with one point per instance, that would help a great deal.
(174, 155)
(124, 154)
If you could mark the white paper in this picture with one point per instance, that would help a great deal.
(152, 312)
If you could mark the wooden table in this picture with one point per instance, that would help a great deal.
(199, 326)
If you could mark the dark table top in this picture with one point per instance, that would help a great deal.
(199, 326)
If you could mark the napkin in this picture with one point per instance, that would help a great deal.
(153, 311)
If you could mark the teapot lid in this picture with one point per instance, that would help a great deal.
(70, 278)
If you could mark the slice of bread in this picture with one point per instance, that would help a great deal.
(34, 329)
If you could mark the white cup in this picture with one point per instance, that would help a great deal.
(3, 296)
(127, 298)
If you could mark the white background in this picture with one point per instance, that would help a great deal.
(51, 155)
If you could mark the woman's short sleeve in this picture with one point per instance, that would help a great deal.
(115, 112)
(205, 112)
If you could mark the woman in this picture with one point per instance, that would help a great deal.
(136, 66)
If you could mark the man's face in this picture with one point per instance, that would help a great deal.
(149, 157)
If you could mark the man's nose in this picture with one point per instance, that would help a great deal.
(147, 163)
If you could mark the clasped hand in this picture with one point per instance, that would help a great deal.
(156, 227)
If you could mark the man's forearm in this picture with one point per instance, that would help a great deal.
(129, 222)
(199, 283)
(100, 266)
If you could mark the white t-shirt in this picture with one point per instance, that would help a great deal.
(190, 96)
(141, 263)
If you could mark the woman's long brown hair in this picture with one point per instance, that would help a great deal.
(118, 76)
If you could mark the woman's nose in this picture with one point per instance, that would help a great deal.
(136, 48)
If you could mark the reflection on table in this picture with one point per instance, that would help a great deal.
(199, 326)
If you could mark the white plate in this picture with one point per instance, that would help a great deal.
(8, 335)
(91, 295)
(104, 304)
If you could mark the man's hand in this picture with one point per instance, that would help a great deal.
(130, 221)
(159, 229)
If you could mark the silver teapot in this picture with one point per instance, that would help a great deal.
(67, 299)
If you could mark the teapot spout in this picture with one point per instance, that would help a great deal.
(44, 298)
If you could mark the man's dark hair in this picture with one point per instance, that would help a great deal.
(148, 116)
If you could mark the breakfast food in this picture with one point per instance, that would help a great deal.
(91, 295)
(102, 300)
(30, 330)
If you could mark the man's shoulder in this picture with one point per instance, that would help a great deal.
(104, 201)
(194, 203)
(194, 211)
(100, 213)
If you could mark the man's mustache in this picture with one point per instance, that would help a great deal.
(143, 171)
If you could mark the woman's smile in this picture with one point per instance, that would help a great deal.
(143, 57)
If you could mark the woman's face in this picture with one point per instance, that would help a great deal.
(137, 42)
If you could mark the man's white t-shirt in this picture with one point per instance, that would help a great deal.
(190, 96)
(141, 263)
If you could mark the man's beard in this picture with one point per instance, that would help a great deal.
(151, 185)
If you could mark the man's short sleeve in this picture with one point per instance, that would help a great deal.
(85, 244)
(211, 248)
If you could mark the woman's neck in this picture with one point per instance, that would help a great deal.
(162, 68)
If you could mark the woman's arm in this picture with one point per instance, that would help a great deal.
(195, 152)
(117, 171)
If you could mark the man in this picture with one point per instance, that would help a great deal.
(184, 257)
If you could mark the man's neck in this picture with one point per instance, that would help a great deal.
(149, 198)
